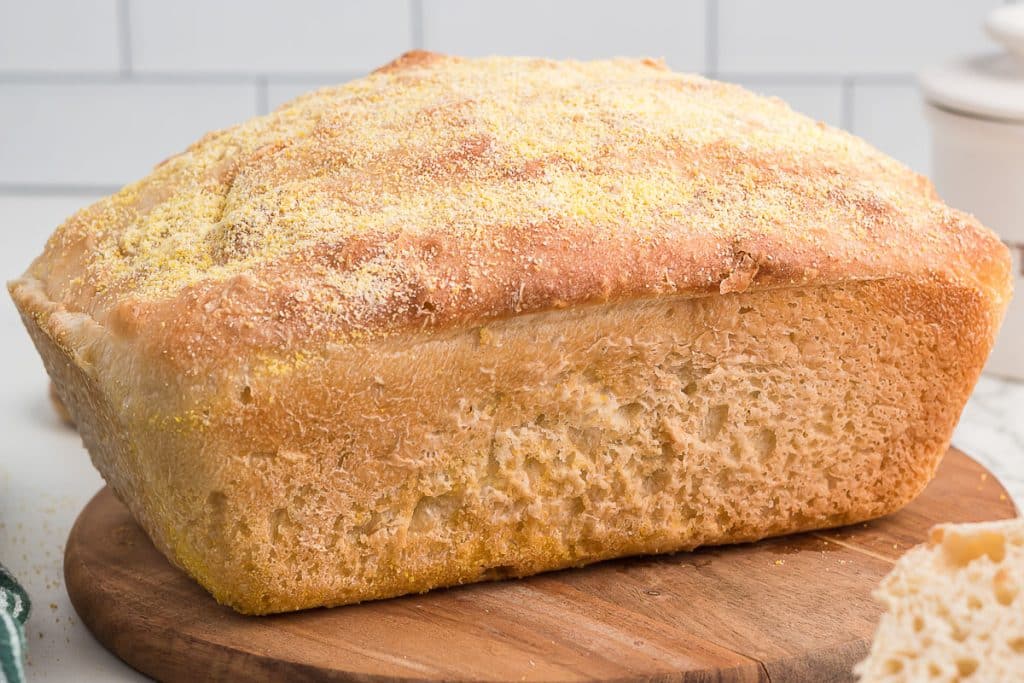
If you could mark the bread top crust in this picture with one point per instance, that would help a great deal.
(442, 191)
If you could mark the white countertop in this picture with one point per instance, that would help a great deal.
(46, 477)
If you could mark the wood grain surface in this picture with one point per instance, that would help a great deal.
(797, 608)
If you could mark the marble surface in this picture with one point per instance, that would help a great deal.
(46, 477)
(991, 430)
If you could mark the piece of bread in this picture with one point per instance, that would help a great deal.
(467, 319)
(954, 609)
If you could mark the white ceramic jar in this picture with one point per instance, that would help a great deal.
(976, 110)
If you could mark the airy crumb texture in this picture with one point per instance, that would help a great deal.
(465, 319)
(954, 609)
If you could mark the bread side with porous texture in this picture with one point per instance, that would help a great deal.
(954, 609)
(536, 442)
(465, 319)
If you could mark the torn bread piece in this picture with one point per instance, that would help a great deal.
(954, 609)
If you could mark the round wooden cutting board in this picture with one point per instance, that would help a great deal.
(789, 609)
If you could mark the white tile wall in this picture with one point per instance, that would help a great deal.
(584, 29)
(105, 134)
(26, 223)
(94, 92)
(280, 91)
(820, 100)
(890, 116)
(264, 36)
(59, 35)
(862, 37)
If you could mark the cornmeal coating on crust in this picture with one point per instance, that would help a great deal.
(441, 190)
(465, 319)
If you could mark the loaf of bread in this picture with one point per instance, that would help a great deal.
(469, 319)
(954, 609)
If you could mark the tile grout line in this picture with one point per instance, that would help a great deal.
(711, 37)
(207, 77)
(819, 78)
(124, 36)
(173, 78)
(846, 117)
(262, 95)
(301, 78)
(416, 23)
(55, 189)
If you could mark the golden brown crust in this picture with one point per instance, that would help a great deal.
(442, 191)
(468, 318)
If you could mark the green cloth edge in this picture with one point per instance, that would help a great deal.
(15, 607)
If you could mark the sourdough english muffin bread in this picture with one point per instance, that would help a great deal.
(954, 609)
(465, 319)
